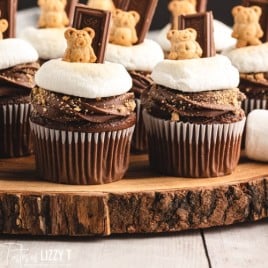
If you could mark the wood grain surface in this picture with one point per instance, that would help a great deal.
(143, 202)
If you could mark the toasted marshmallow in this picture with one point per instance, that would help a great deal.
(14, 51)
(195, 75)
(50, 43)
(86, 80)
(141, 57)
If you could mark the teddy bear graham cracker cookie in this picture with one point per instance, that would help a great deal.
(183, 44)
(53, 14)
(247, 29)
(85, 18)
(79, 47)
(3, 27)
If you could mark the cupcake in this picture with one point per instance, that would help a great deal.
(193, 114)
(139, 58)
(17, 68)
(48, 39)
(250, 57)
(82, 119)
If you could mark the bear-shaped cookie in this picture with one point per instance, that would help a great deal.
(183, 44)
(3, 27)
(123, 29)
(79, 45)
(247, 29)
(181, 7)
(101, 4)
(53, 14)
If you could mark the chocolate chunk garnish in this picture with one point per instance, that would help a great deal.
(8, 9)
(69, 9)
(203, 24)
(201, 5)
(263, 4)
(146, 10)
(99, 21)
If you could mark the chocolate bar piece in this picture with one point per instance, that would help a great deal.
(70, 9)
(201, 6)
(146, 10)
(99, 21)
(203, 24)
(263, 4)
(8, 9)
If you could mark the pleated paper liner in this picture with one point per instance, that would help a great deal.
(139, 141)
(193, 150)
(15, 138)
(81, 158)
(249, 105)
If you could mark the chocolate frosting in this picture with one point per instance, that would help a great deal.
(18, 80)
(254, 85)
(141, 82)
(68, 110)
(219, 106)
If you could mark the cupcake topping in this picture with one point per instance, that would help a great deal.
(264, 15)
(183, 44)
(123, 31)
(221, 106)
(101, 4)
(249, 59)
(180, 7)
(53, 14)
(87, 80)
(8, 12)
(20, 75)
(99, 21)
(49, 42)
(65, 108)
(14, 51)
(3, 27)
(247, 29)
(195, 75)
(142, 57)
(145, 10)
(79, 47)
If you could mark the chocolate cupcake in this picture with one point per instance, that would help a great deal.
(193, 114)
(138, 57)
(82, 118)
(250, 57)
(17, 68)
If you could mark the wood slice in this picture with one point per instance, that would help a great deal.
(143, 202)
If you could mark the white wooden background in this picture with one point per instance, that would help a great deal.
(238, 246)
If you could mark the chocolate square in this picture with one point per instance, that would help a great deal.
(263, 4)
(201, 5)
(99, 21)
(8, 10)
(203, 24)
(146, 10)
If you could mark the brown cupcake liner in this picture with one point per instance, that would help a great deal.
(249, 105)
(82, 158)
(193, 150)
(15, 134)
(139, 142)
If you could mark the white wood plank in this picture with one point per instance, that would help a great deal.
(240, 246)
(174, 250)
